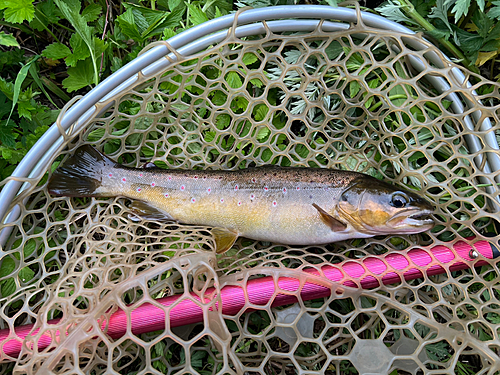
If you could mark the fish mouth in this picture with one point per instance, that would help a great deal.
(419, 219)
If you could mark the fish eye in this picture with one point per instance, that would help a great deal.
(399, 200)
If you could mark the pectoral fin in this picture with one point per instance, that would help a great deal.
(224, 239)
(146, 211)
(334, 224)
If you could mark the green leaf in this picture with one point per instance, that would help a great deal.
(234, 80)
(17, 11)
(25, 108)
(141, 23)
(6, 133)
(56, 51)
(422, 6)
(261, 112)
(354, 88)
(494, 12)
(8, 287)
(168, 33)
(99, 46)
(7, 88)
(4, 105)
(334, 49)
(78, 22)
(460, 8)
(129, 22)
(151, 16)
(196, 15)
(48, 13)
(55, 89)
(27, 126)
(26, 274)
(223, 121)
(467, 41)
(437, 351)
(439, 33)
(197, 358)
(8, 40)
(7, 267)
(392, 10)
(249, 58)
(80, 50)
(34, 74)
(333, 3)
(21, 76)
(371, 84)
(263, 133)
(79, 76)
(6, 153)
(172, 4)
(257, 82)
(209, 136)
(440, 11)
(92, 12)
(116, 63)
(171, 20)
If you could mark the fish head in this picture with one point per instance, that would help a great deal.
(375, 207)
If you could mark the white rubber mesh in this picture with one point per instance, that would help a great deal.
(347, 100)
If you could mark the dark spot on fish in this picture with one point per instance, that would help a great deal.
(310, 197)
(275, 174)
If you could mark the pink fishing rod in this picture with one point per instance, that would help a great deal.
(365, 273)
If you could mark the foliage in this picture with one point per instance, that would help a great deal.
(51, 50)
(468, 29)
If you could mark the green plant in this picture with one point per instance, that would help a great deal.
(69, 46)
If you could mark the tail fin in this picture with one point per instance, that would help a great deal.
(81, 174)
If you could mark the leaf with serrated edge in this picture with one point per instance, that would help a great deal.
(392, 11)
(56, 51)
(6, 134)
(234, 81)
(17, 11)
(8, 40)
(92, 12)
(494, 12)
(81, 27)
(440, 11)
(79, 76)
(128, 26)
(460, 7)
(196, 15)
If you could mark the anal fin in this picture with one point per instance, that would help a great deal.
(334, 224)
(146, 211)
(224, 239)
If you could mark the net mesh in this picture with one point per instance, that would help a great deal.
(80, 275)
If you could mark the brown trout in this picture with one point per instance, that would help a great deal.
(294, 206)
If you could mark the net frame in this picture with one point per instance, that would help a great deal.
(280, 26)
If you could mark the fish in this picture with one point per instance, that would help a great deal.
(286, 205)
